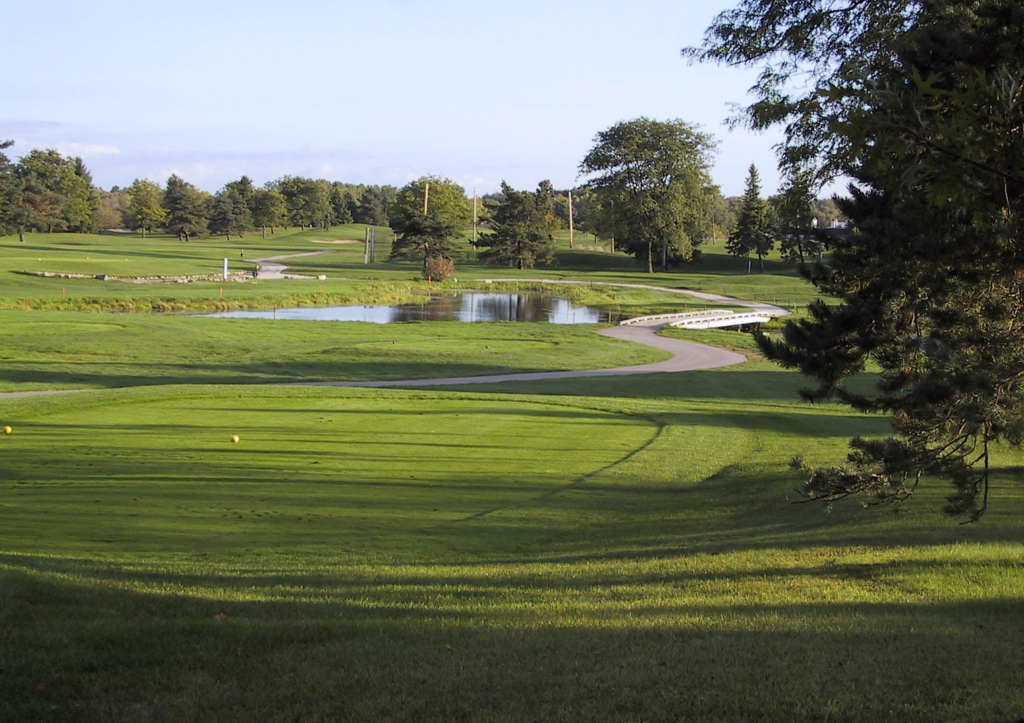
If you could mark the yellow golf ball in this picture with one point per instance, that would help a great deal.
(235, 439)
(8, 430)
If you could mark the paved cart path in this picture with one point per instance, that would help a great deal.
(686, 355)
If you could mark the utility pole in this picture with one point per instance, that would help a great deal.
(426, 195)
(570, 219)
(474, 215)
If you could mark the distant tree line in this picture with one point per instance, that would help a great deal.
(46, 192)
(648, 193)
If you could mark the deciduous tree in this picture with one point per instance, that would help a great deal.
(268, 209)
(145, 205)
(794, 211)
(652, 184)
(58, 192)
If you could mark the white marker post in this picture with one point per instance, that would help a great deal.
(225, 269)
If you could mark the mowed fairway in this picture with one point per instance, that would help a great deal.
(352, 476)
(595, 552)
(597, 549)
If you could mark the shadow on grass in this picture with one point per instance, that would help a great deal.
(409, 649)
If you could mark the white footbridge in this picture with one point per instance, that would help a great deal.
(707, 319)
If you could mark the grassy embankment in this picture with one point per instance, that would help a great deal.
(572, 550)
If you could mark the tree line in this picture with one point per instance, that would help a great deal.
(622, 203)
(46, 192)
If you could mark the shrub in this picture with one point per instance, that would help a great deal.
(438, 268)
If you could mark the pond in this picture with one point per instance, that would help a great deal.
(470, 306)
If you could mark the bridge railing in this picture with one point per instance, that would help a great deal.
(753, 317)
(677, 315)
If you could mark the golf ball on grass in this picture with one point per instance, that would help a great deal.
(235, 439)
(7, 429)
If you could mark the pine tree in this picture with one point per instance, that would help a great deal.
(755, 228)
(919, 102)
(522, 228)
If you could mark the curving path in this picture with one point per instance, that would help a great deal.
(686, 355)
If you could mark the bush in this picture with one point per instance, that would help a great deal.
(438, 269)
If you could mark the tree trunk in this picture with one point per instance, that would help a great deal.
(650, 260)
(264, 232)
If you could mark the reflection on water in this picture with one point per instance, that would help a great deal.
(461, 307)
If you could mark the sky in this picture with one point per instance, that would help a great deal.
(362, 91)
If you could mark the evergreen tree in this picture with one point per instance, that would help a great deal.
(374, 203)
(428, 213)
(755, 228)
(10, 193)
(185, 207)
(920, 103)
(522, 228)
(230, 213)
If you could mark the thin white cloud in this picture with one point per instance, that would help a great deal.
(87, 150)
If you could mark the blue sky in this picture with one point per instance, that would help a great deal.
(362, 91)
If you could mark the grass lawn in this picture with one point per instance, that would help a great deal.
(590, 549)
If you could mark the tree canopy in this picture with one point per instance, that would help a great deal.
(186, 208)
(920, 103)
(428, 213)
(652, 183)
(522, 228)
(144, 207)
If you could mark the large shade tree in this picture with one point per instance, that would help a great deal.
(652, 182)
(57, 192)
(144, 205)
(268, 208)
(920, 102)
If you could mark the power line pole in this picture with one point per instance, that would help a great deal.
(474, 215)
(426, 195)
(570, 219)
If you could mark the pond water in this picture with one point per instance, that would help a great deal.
(469, 307)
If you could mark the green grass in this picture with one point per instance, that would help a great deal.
(68, 350)
(348, 279)
(585, 549)
(395, 554)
